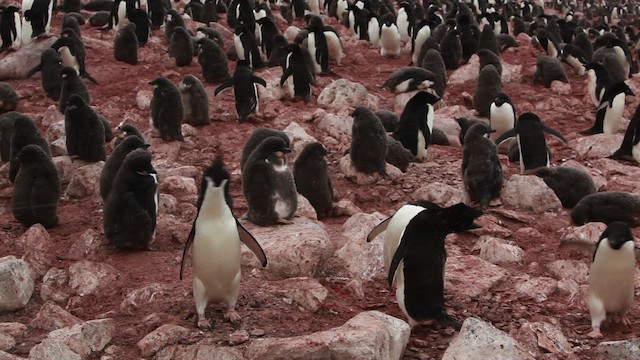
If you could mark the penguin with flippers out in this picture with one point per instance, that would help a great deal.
(215, 237)
(245, 90)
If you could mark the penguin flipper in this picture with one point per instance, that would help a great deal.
(507, 134)
(555, 133)
(88, 76)
(285, 76)
(259, 80)
(251, 243)
(187, 246)
(225, 85)
(400, 253)
(378, 229)
(34, 70)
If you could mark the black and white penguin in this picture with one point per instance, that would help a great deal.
(25, 133)
(582, 42)
(321, 44)
(549, 69)
(612, 276)
(410, 78)
(390, 42)
(416, 124)
(195, 101)
(115, 160)
(131, 209)
(598, 80)
(268, 185)
(245, 90)
(10, 28)
(36, 19)
(451, 48)
(241, 12)
(167, 110)
(140, 18)
(72, 51)
(569, 183)
(421, 35)
(51, 67)
(606, 207)
(71, 84)
(181, 46)
(369, 146)
(125, 45)
(405, 22)
(573, 56)
(268, 30)
(213, 61)
(373, 29)
(157, 13)
(629, 149)
(84, 131)
(419, 258)
(256, 137)
(609, 113)
(246, 46)
(487, 89)
(209, 13)
(312, 179)
(119, 11)
(481, 167)
(297, 76)
(529, 132)
(36, 189)
(215, 237)
(547, 43)
(502, 115)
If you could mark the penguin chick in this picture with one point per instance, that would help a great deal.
(195, 101)
(312, 179)
(167, 110)
(85, 134)
(256, 137)
(481, 167)
(570, 184)
(548, 69)
(607, 207)
(115, 160)
(487, 89)
(369, 146)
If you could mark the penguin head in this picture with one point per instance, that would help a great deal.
(273, 149)
(427, 97)
(460, 217)
(68, 32)
(360, 111)
(68, 72)
(139, 162)
(501, 99)
(314, 149)
(617, 234)
(132, 142)
(24, 123)
(187, 82)
(160, 82)
(32, 154)
(478, 130)
(315, 23)
(216, 176)
(75, 101)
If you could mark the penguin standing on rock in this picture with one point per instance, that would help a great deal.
(84, 131)
(529, 132)
(369, 145)
(130, 212)
(268, 185)
(167, 110)
(245, 90)
(36, 190)
(416, 124)
(609, 113)
(481, 167)
(25, 133)
(215, 237)
(195, 101)
(51, 67)
(312, 179)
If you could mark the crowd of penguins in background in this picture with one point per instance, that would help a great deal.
(596, 39)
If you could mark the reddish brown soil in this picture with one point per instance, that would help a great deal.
(115, 98)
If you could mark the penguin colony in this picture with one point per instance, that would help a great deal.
(436, 36)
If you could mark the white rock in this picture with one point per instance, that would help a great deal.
(467, 72)
(569, 269)
(51, 317)
(16, 284)
(305, 209)
(163, 150)
(345, 207)
(58, 147)
(168, 204)
(85, 180)
(14, 329)
(54, 286)
(87, 337)
(295, 250)
(511, 73)
(143, 99)
(490, 225)
(298, 136)
(568, 287)
(368, 335)
(619, 350)
(342, 94)
(441, 194)
(143, 296)
(238, 337)
(498, 251)
(338, 126)
(7, 342)
(36, 242)
(306, 292)
(530, 193)
(543, 335)
(480, 340)
(199, 352)
(589, 232)
(536, 288)
(88, 243)
(55, 131)
(52, 349)
(470, 276)
(179, 185)
(362, 259)
(350, 172)
(188, 130)
(157, 339)
(88, 277)
(596, 146)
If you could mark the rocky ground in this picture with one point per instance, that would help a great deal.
(324, 285)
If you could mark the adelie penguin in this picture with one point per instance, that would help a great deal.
(71, 85)
(574, 57)
(323, 45)
(245, 89)
(256, 137)
(529, 132)
(570, 184)
(36, 189)
(416, 124)
(268, 185)
(410, 78)
(502, 115)
(72, 51)
(10, 28)
(606, 207)
(115, 160)
(415, 238)
(312, 179)
(598, 80)
(629, 149)
(215, 237)
(481, 167)
(368, 150)
(195, 101)
(25, 133)
(167, 110)
(390, 45)
(119, 11)
(609, 113)
(297, 77)
(246, 47)
(125, 47)
(130, 211)
(84, 131)
(36, 20)
(140, 19)
(405, 22)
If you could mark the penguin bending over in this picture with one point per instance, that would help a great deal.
(569, 183)
(606, 207)
(215, 237)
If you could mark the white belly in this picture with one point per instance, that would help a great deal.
(421, 152)
(591, 87)
(237, 43)
(613, 116)
(334, 46)
(27, 31)
(501, 119)
(394, 232)
(611, 277)
(122, 14)
(577, 66)
(311, 45)
(390, 42)
(15, 42)
(68, 59)
(374, 32)
(403, 25)
(422, 36)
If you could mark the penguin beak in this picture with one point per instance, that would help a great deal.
(286, 150)
(146, 145)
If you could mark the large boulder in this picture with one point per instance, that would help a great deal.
(87, 337)
(368, 335)
(298, 136)
(342, 94)
(167, 334)
(441, 194)
(51, 317)
(498, 251)
(362, 259)
(84, 181)
(36, 243)
(88, 277)
(16, 284)
(596, 146)
(199, 352)
(530, 193)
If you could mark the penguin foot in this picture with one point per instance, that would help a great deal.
(624, 320)
(232, 316)
(204, 323)
(595, 334)
(285, 221)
